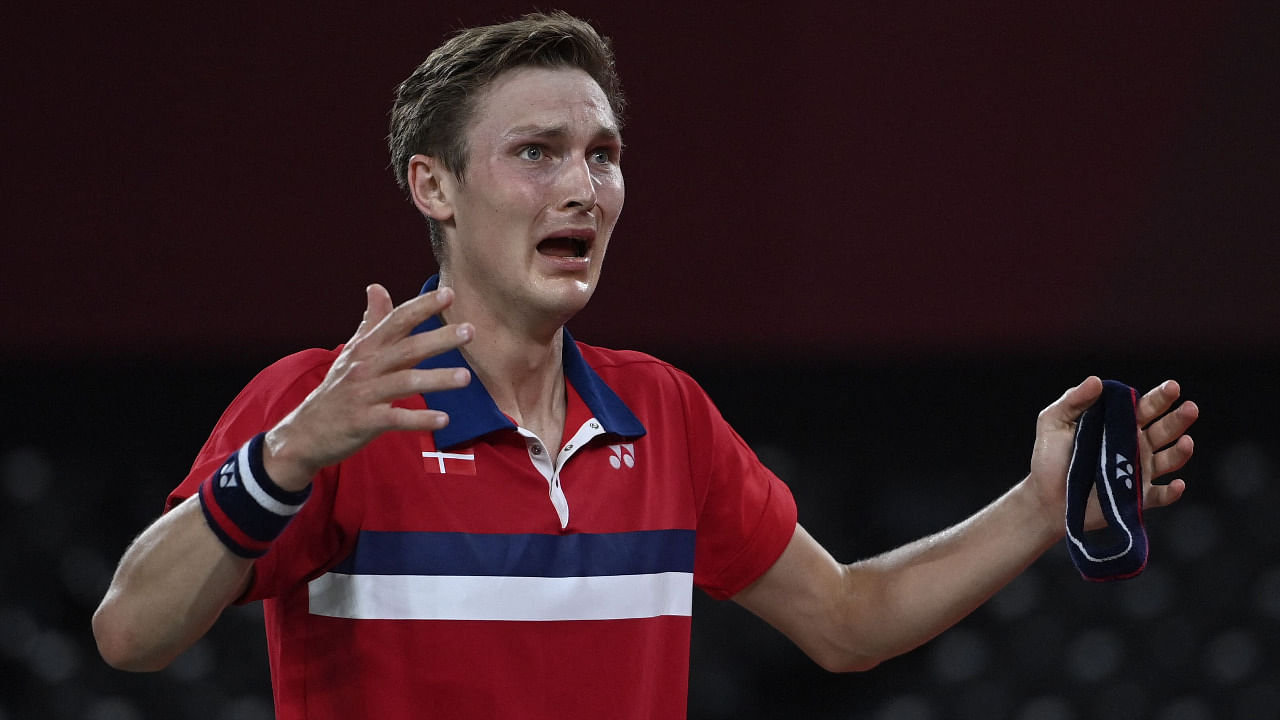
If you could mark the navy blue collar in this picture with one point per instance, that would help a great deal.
(472, 411)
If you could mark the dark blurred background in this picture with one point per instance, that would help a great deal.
(883, 236)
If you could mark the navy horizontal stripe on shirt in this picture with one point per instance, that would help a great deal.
(520, 555)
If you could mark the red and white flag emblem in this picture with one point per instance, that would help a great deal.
(448, 463)
(445, 463)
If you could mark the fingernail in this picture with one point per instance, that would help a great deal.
(464, 331)
(461, 376)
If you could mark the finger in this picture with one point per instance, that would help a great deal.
(1162, 495)
(408, 352)
(1173, 425)
(1068, 408)
(401, 321)
(401, 418)
(1157, 402)
(1172, 458)
(406, 383)
(377, 305)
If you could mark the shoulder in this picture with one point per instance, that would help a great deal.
(630, 372)
(268, 397)
(299, 367)
(286, 382)
(610, 363)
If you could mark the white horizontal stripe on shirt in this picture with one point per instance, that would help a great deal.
(486, 597)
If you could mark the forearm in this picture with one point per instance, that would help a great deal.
(173, 582)
(851, 617)
(897, 601)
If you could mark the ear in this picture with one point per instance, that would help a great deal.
(431, 185)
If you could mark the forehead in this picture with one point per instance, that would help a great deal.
(541, 97)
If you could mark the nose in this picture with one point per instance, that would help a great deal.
(578, 186)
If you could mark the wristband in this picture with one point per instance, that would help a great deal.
(243, 506)
(1106, 457)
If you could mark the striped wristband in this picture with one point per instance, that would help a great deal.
(245, 509)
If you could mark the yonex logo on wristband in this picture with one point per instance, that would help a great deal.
(227, 475)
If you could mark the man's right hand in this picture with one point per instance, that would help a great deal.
(177, 576)
(353, 404)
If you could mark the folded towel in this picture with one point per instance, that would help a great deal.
(1106, 457)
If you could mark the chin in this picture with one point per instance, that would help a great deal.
(566, 297)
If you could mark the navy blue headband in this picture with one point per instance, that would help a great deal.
(1106, 457)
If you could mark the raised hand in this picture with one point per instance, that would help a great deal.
(1163, 443)
(354, 402)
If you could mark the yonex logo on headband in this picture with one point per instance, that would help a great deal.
(1124, 469)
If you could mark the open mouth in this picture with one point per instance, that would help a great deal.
(566, 247)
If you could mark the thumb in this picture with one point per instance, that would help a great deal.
(1068, 408)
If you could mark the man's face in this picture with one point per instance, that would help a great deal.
(543, 189)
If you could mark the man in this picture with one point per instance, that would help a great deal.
(463, 513)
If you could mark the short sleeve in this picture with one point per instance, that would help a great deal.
(746, 515)
(314, 538)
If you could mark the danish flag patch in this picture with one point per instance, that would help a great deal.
(444, 463)
(462, 462)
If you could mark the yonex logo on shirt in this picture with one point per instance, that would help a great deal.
(624, 454)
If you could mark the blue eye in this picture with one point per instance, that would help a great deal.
(530, 152)
(601, 156)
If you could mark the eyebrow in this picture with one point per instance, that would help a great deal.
(607, 134)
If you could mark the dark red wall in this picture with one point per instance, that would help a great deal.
(914, 177)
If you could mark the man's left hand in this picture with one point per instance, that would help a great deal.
(1163, 445)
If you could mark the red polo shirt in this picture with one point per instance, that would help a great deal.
(475, 573)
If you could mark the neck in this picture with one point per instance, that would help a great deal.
(521, 368)
(525, 380)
